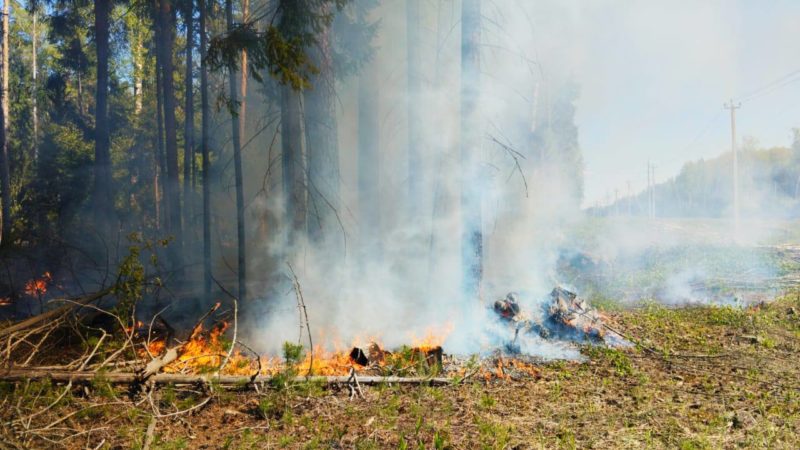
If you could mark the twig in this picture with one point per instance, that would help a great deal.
(91, 355)
(353, 380)
(77, 302)
(235, 325)
(35, 349)
(515, 155)
(148, 437)
(199, 325)
(177, 413)
(301, 304)
(258, 360)
(222, 380)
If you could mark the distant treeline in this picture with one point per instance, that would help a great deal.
(769, 186)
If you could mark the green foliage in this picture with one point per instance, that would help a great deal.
(292, 353)
(282, 49)
(132, 281)
(486, 401)
(493, 435)
(353, 35)
(102, 387)
(617, 359)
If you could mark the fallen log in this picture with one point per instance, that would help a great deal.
(223, 380)
(53, 313)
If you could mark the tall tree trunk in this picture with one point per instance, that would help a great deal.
(322, 142)
(416, 176)
(138, 75)
(5, 173)
(172, 191)
(188, 124)
(34, 88)
(369, 170)
(103, 199)
(161, 172)
(205, 136)
(80, 93)
(293, 164)
(471, 215)
(237, 165)
(243, 80)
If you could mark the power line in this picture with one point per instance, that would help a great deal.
(779, 82)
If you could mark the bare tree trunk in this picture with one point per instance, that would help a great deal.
(415, 151)
(172, 191)
(471, 215)
(138, 75)
(34, 88)
(205, 136)
(243, 79)
(237, 164)
(322, 140)
(369, 167)
(160, 173)
(188, 124)
(81, 109)
(293, 164)
(5, 173)
(103, 197)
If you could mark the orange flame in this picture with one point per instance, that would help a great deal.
(38, 287)
(205, 350)
(432, 338)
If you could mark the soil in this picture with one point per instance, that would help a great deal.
(699, 377)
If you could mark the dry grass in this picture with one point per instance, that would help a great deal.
(702, 377)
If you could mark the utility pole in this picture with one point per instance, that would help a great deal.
(629, 198)
(651, 175)
(653, 191)
(648, 188)
(733, 109)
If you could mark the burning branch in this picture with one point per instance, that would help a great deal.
(235, 324)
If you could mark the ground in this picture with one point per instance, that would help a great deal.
(699, 377)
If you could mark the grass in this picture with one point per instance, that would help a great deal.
(701, 377)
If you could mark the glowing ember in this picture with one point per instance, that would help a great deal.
(156, 347)
(38, 287)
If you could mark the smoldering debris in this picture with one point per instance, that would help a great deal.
(563, 316)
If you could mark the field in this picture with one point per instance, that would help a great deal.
(699, 377)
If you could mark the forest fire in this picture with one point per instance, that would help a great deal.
(565, 315)
(37, 287)
(206, 350)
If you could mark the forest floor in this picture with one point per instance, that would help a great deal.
(699, 377)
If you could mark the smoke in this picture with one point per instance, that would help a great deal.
(407, 285)
(405, 282)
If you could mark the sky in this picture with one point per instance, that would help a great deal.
(654, 77)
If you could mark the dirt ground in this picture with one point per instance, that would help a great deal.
(699, 377)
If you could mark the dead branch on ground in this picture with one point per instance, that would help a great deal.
(235, 381)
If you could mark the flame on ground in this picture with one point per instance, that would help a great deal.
(434, 337)
(37, 287)
(206, 350)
